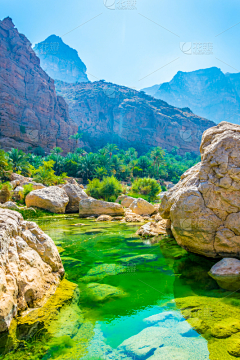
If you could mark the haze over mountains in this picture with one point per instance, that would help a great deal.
(208, 92)
(60, 61)
(34, 110)
(107, 112)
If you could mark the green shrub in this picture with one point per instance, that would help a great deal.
(108, 189)
(111, 188)
(146, 186)
(93, 188)
(26, 190)
(5, 192)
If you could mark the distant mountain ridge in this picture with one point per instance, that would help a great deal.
(60, 61)
(107, 112)
(207, 92)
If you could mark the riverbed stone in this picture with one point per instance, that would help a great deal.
(225, 328)
(102, 292)
(138, 259)
(95, 207)
(104, 218)
(142, 207)
(150, 229)
(75, 194)
(227, 274)
(101, 271)
(204, 207)
(31, 266)
(52, 198)
(127, 201)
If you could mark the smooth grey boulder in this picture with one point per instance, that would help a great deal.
(227, 274)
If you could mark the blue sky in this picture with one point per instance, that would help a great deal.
(136, 48)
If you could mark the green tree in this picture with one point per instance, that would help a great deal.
(18, 159)
(157, 155)
(5, 166)
(110, 149)
(76, 137)
(100, 172)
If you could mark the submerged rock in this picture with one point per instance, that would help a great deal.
(31, 267)
(204, 207)
(101, 292)
(227, 274)
(138, 259)
(95, 207)
(52, 198)
(101, 271)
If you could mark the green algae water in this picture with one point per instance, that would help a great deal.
(129, 301)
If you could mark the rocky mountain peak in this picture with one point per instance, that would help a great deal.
(31, 114)
(60, 61)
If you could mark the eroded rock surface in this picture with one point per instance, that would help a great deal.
(75, 194)
(31, 112)
(150, 229)
(204, 206)
(52, 198)
(95, 207)
(31, 267)
(142, 207)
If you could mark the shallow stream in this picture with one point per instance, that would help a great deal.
(129, 287)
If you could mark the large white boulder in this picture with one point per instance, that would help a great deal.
(95, 207)
(52, 198)
(204, 207)
(75, 194)
(142, 207)
(31, 267)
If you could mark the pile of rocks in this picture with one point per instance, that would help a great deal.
(31, 268)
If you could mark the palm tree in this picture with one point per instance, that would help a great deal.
(80, 151)
(157, 155)
(88, 165)
(18, 159)
(55, 155)
(76, 137)
(100, 172)
(131, 153)
(110, 149)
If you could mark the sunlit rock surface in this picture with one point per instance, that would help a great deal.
(31, 267)
(204, 206)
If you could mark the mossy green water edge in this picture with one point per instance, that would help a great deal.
(113, 281)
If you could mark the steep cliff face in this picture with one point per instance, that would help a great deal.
(60, 61)
(31, 114)
(110, 113)
(208, 92)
